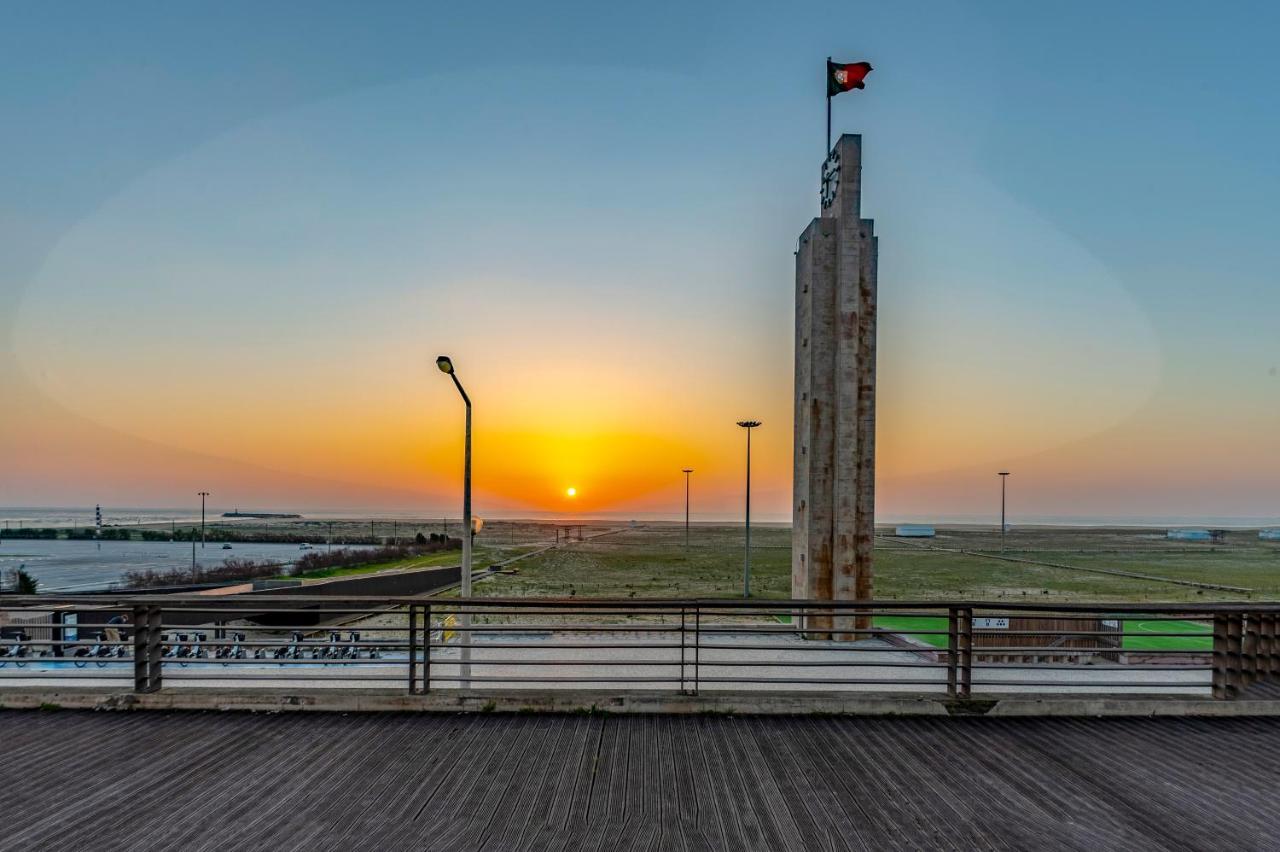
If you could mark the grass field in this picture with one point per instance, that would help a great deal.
(652, 561)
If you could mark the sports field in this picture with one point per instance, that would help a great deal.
(1138, 635)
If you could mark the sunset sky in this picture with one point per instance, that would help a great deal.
(233, 240)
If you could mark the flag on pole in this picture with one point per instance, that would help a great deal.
(842, 77)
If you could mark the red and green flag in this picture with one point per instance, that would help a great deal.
(841, 77)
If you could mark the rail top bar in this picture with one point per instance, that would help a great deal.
(252, 601)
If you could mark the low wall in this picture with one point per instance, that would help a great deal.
(411, 581)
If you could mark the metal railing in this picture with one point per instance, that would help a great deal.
(960, 650)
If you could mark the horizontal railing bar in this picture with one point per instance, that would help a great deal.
(50, 675)
(941, 684)
(191, 676)
(357, 602)
(1080, 667)
(1095, 686)
(1047, 649)
(676, 663)
(705, 646)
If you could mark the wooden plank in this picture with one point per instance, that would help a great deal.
(486, 782)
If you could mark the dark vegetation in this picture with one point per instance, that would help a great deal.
(239, 570)
(18, 581)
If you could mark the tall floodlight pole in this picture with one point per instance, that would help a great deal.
(203, 494)
(1004, 479)
(686, 471)
(746, 561)
(446, 366)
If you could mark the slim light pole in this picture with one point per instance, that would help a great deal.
(464, 621)
(1004, 479)
(686, 471)
(203, 494)
(746, 563)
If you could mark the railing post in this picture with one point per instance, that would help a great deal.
(1270, 663)
(964, 647)
(953, 645)
(413, 649)
(1226, 655)
(141, 633)
(1219, 655)
(697, 645)
(1249, 649)
(683, 613)
(147, 653)
(426, 649)
(1235, 653)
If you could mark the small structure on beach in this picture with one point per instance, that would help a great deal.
(1195, 535)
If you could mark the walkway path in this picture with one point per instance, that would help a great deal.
(509, 782)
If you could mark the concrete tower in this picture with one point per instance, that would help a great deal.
(833, 512)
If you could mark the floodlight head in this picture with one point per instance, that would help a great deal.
(1004, 473)
(686, 470)
(748, 424)
(445, 365)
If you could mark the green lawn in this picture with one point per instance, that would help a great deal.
(1193, 636)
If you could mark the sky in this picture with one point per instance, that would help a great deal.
(234, 237)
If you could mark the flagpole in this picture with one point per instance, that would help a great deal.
(827, 86)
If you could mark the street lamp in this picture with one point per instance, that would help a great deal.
(746, 564)
(686, 471)
(1004, 479)
(203, 494)
(446, 366)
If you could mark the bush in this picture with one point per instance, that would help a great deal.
(20, 582)
(345, 558)
(235, 569)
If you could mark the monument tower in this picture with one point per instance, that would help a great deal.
(833, 511)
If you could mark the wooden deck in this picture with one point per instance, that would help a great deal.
(189, 781)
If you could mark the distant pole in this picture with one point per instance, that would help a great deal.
(826, 85)
(371, 538)
(1004, 478)
(445, 365)
(395, 533)
(746, 559)
(686, 471)
(331, 536)
(203, 494)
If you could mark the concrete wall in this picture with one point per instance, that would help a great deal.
(413, 582)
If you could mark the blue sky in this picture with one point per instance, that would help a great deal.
(276, 206)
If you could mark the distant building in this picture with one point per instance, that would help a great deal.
(914, 531)
(1195, 535)
(1269, 535)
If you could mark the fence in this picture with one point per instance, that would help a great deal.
(960, 650)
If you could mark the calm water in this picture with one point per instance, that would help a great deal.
(79, 566)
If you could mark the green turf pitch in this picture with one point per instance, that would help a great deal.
(1139, 635)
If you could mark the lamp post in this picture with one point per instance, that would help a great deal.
(203, 494)
(746, 562)
(464, 620)
(1004, 479)
(686, 471)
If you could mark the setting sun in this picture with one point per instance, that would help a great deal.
(571, 491)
